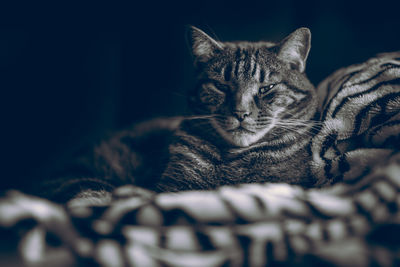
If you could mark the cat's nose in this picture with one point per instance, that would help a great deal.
(241, 115)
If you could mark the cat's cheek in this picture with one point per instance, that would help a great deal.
(213, 107)
(283, 101)
(211, 102)
(231, 123)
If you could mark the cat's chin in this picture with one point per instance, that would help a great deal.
(240, 141)
(240, 136)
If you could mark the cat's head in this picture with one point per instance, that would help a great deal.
(251, 89)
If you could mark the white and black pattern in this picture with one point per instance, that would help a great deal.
(252, 225)
(360, 113)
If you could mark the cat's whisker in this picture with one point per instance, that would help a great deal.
(203, 117)
(306, 123)
(299, 122)
(299, 126)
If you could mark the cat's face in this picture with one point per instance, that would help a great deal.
(251, 89)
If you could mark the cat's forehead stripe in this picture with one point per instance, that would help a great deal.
(246, 63)
(261, 76)
(254, 66)
(243, 64)
(238, 57)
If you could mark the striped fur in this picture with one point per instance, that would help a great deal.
(360, 108)
(253, 109)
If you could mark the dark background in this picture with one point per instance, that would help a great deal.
(70, 73)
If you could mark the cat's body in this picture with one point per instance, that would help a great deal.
(252, 121)
(210, 166)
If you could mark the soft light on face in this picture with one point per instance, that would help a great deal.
(246, 110)
(248, 88)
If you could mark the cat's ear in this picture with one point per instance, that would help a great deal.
(294, 49)
(203, 46)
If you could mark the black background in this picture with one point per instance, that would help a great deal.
(70, 73)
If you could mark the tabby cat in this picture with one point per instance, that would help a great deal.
(252, 121)
(255, 108)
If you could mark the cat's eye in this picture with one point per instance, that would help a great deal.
(263, 90)
(222, 87)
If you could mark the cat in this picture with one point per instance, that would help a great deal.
(252, 118)
(255, 109)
